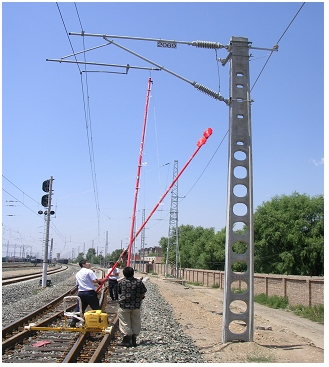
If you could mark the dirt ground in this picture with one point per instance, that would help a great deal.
(279, 336)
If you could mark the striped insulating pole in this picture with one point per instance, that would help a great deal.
(138, 172)
(201, 142)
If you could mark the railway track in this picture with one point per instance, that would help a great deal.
(58, 345)
(10, 279)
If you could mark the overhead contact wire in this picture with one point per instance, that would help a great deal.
(276, 44)
(90, 142)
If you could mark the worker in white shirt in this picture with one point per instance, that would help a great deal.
(86, 280)
(113, 282)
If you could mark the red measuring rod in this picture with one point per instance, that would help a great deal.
(201, 142)
(139, 170)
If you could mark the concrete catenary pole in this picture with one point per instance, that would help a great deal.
(240, 200)
(45, 257)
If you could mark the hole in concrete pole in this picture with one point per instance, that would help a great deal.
(239, 267)
(239, 286)
(238, 307)
(239, 228)
(237, 326)
(240, 209)
(239, 143)
(240, 172)
(240, 190)
(239, 247)
(240, 155)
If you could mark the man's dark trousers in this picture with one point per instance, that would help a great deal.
(113, 288)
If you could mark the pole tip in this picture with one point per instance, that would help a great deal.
(207, 133)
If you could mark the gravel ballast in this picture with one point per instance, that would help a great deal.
(162, 338)
(20, 299)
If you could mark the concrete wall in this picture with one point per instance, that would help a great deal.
(303, 290)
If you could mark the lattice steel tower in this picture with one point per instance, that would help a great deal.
(172, 247)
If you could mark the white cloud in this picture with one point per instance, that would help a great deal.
(317, 163)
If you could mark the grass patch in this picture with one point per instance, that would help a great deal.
(260, 357)
(237, 290)
(195, 283)
(273, 301)
(216, 285)
(314, 313)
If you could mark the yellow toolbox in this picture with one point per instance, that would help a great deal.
(96, 319)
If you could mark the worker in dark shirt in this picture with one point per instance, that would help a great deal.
(131, 293)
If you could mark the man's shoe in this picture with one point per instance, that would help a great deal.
(133, 340)
(126, 341)
(73, 323)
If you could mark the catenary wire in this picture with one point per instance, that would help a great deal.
(90, 142)
(20, 189)
(20, 202)
(277, 44)
(91, 150)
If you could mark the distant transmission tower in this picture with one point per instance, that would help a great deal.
(172, 247)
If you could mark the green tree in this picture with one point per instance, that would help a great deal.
(115, 255)
(79, 257)
(199, 247)
(289, 235)
(91, 255)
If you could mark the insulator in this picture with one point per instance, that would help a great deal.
(207, 44)
(208, 91)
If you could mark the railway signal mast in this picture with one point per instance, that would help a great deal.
(240, 187)
(46, 202)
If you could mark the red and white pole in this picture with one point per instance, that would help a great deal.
(138, 172)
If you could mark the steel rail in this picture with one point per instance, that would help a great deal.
(103, 345)
(4, 277)
(79, 344)
(74, 353)
(10, 342)
(15, 325)
(21, 278)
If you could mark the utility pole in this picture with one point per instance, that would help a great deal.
(141, 260)
(133, 224)
(240, 159)
(51, 250)
(239, 208)
(172, 246)
(45, 257)
(92, 253)
(106, 246)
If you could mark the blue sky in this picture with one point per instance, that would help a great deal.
(44, 126)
